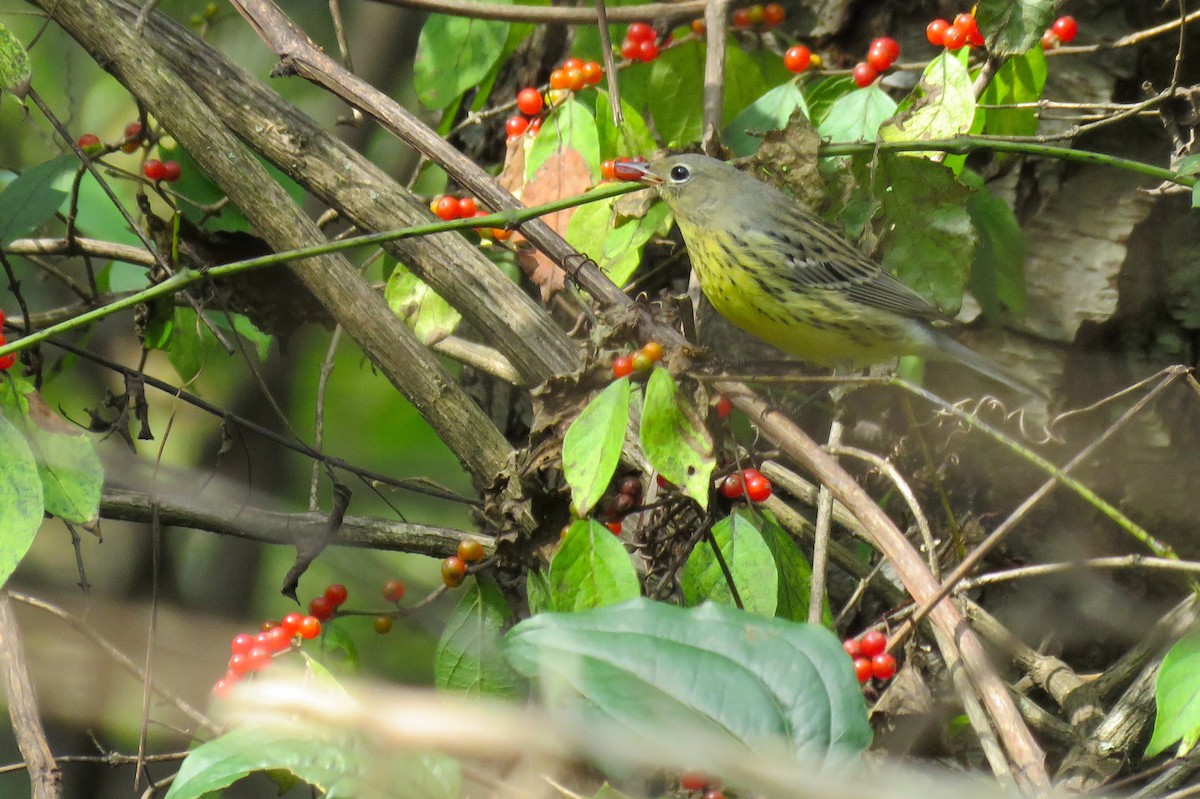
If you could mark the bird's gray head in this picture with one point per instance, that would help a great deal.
(694, 185)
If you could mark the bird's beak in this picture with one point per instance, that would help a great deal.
(641, 173)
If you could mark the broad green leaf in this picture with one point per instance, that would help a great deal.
(674, 438)
(1177, 697)
(658, 669)
(454, 54)
(15, 70)
(1013, 27)
(998, 270)
(31, 199)
(21, 499)
(411, 299)
(795, 573)
(630, 139)
(338, 766)
(931, 240)
(769, 112)
(857, 116)
(67, 465)
(615, 244)
(944, 105)
(592, 445)
(185, 346)
(468, 655)
(537, 591)
(1021, 79)
(677, 90)
(821, 94)
(749, 560)
(339, 649)
(591, 569)
(569, 127)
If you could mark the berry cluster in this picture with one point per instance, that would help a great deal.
(324, 606)
(253, 653)
(7, 361)
(870, 659)
(748, 482)
(963, 32)
(448, 208)
(640, 361)
(530, 104)
(393, 591)
(156, 170)
(574, 74)
(882, 53)
(757, 16)
(629, 497)
(696, 781)
(1063, 31)
(641, 42)
(454, 568)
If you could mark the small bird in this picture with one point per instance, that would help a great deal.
(773, 270)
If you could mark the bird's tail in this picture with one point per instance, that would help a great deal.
(952, 350)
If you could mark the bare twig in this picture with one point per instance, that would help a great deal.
(44, 774)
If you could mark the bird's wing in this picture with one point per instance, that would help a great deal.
(822, 259)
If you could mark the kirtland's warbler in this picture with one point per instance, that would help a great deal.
(773, 270)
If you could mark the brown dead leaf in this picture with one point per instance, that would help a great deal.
(565, 174)
(45, 417)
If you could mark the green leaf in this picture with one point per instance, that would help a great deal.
(338, 766)
(656, 668)
(931, 240)
(1021, 79)
(15, 70)
(1013, 27)
(998, 269)
(569, 127)
(1177, 697)
(468, 655)
(769, 112)
(674, 438)
(944, 106)
(21, 499)
(677, 90)
(822, 93)
(857, 116)
(749, 560)
(67, 465)
(795, 573)
(454, 54)
(591, 569)
(411, 299)
(31, 199)
(632, 138)
(185, 345)
(592, 445)
(537, 590)
(615, 244)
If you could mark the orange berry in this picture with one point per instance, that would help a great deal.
(698, 27)
(454, 571)
(572, 63)
(574, 77)
(529, 101)
(593, 73)
(558, 79)
(653, 351)
(383, 624)
(470, 550)
(797, 58)
(608, 170)
(773, 14)
(622, 366)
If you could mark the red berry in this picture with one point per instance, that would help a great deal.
(629, 50)
(470, 550)
(647, 51)
(864, 74)
(724, 407)
(883, 51)
(573, 63)
(383, 624)
(467, 207)
(239, 664)
(7, 361)
(758, 488)
(607, 170)
(258, 658)
(626, 169)
(310, 627)
(853, 647)
(337, 594)
(1049, 40)
(862, 669)
(515, 126)
(133, 137)
(393, 590)
(453, 571)
(613, 527)
(89, 143)
(593, 73)
(574, 79)
(448, 208)
(741, 18)
(873, 642)
(970, 27)
(321, 608)
(883, 666)
(954, 37)
(622, 366)
(1065, 28)
(797, 58)
(277, 639)
(756, 14)
(291, 623)
(732, 486)
(935, 32)
(558, 79)
(223, 688)
(241, 644)
(640, 32)
(698, 27)
(154, 169)
(172, 171)
(529, 101)
(773, 14)
(693, 781)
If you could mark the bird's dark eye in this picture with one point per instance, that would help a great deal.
(680, 173)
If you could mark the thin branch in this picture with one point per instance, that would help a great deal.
(44, 774)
